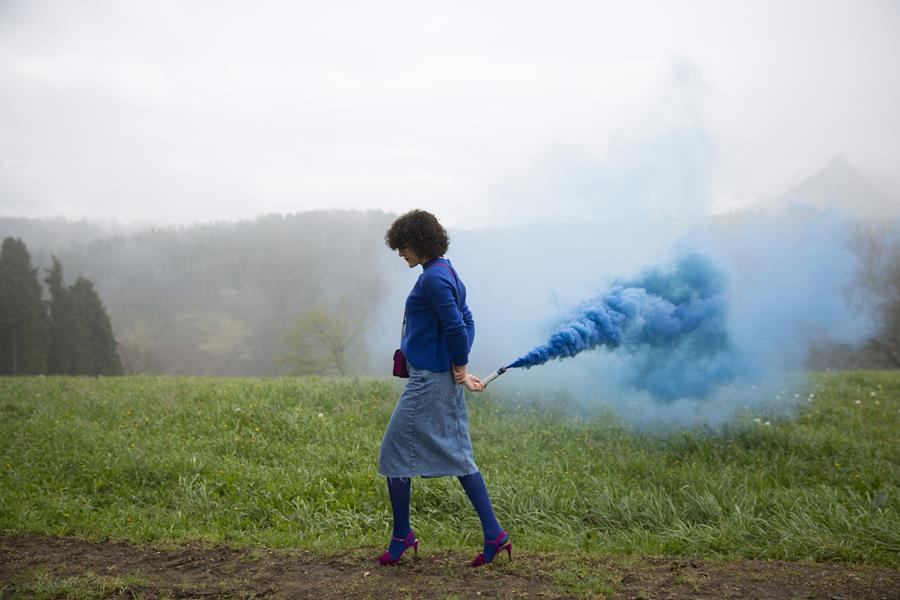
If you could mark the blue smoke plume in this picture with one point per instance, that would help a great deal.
(672, 322)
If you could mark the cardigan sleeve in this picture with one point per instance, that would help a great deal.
(470, 324)
(441, 295)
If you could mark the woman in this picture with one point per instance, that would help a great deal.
(428, 434)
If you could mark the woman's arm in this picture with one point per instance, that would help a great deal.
(440, 293)
(470, 325)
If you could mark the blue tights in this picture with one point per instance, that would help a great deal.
(478, 496)
(473, 484)
(398, 490)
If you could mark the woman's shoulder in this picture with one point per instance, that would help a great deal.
(440, 269)
(438, 274)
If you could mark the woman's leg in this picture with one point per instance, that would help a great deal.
(399, 491)
(477, 493)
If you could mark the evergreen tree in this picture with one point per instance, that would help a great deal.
(81, 341)
(24, 327)
(64, 325)
(98, 354)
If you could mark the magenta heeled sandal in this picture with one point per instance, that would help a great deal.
(411, 541)
(506, 545)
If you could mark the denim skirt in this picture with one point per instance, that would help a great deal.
(428, 434)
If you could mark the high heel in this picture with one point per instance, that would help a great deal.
(506, 545)
(411, 541)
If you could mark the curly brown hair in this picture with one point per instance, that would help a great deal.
(419, 231)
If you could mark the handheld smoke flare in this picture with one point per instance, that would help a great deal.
(493, 376)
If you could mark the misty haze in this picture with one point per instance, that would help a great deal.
(677, 230)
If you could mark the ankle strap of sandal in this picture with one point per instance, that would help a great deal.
(497, 541)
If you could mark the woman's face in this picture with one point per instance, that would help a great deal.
(412, 259)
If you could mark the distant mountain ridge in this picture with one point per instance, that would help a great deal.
(839, 186)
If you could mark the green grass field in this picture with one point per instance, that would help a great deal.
(292, 463)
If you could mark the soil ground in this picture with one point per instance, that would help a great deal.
(40, 566)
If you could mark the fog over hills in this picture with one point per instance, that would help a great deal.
(218, 299)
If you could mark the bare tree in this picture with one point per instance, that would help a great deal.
(323, 341)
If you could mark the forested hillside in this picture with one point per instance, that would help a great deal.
(221, 298)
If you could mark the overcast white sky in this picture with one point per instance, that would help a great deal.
(177, 112)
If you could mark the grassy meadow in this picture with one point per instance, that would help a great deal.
(292, 463)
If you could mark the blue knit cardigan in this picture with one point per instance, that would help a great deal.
(438, 329)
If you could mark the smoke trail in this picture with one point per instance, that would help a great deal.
(671, 322)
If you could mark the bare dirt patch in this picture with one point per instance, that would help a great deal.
(47, 566)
